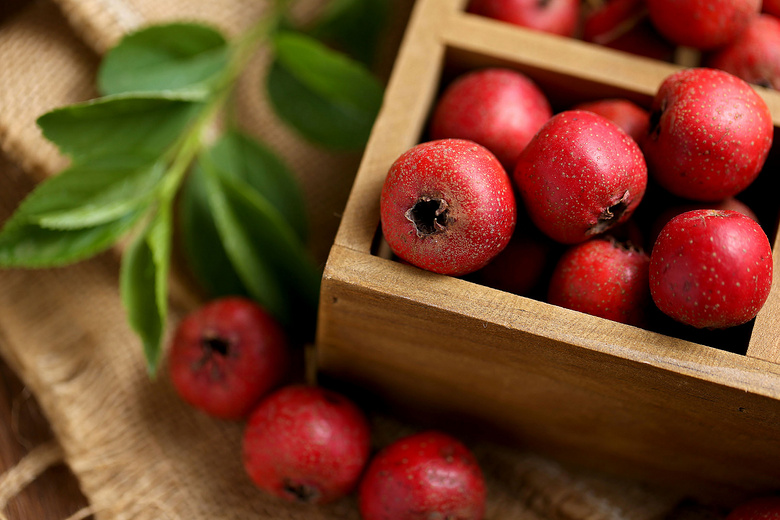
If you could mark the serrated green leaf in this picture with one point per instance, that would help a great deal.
(175, 56)
(144, 284)
(145, 127)
(354, 26)
(245, 254)
(240, 156)
(202, 246)
(25, 244)
(327, 97)
(93, 193)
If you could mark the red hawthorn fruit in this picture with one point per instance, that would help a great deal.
(580, 176)
(519, 268)
(702, 24)
(624, 25)
(500, 109)
(633, 119)
(447, 206)
(226, 355)
(710, 134)
(425, 475)
(759, 508)
(553, 16)
(603, 277)
(711, 269)
(671, 212)
(306, 444)
(754, 55)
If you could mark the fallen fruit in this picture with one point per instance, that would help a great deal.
(226, 355)
(425, 475)
(447, 206)
(306, 444)
(711, 268)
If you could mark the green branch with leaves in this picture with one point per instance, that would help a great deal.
(139, 160)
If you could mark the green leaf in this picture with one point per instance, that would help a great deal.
(240, 156)
(93, 193)
(25, 244)
(145, 127)
(143, 284)
(354, 26)
(202, 246)
(327, 97)
(175, 56)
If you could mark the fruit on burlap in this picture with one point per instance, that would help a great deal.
(226, 355)
(306, 444)
(500, 109)
(711, 269)
(447, 206)
(424, 475)
(702, 24)
(758, 508)
(580, 176)
(710, 134)
(603, 277)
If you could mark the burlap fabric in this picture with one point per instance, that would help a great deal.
(137, 451)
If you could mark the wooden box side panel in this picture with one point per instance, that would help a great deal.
(577, 402)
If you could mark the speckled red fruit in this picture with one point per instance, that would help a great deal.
(625, 25)
(710, 134)
(702, 24)
(306, 444)
(580, 176)
(754, 55)
(447, 206)
(759, 508)
(711, 269)
(500, 109)
(603, 277)
(633, 119)
(553, 16)
(226, 355)
(425, 475)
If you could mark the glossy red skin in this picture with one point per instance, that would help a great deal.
(306, 444)
(727, 203)
(711, 269)
(760, 508)
(710, 134)
(604, 278)
(498, 108)
(771, 7)
(625, 25)
(633, 119)
(227, 384)
(578, 166)
(481, 208)
(425, 475)
(702, 24)
(754, 55)
(553, 16)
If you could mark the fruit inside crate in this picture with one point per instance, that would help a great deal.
(564, 92)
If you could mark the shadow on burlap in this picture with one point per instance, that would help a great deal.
(137, 451)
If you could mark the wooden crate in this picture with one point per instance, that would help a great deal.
(583, 389)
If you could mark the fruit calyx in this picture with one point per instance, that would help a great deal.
(215, 349)
(302, 493)
(430, 215)
(610, 215)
